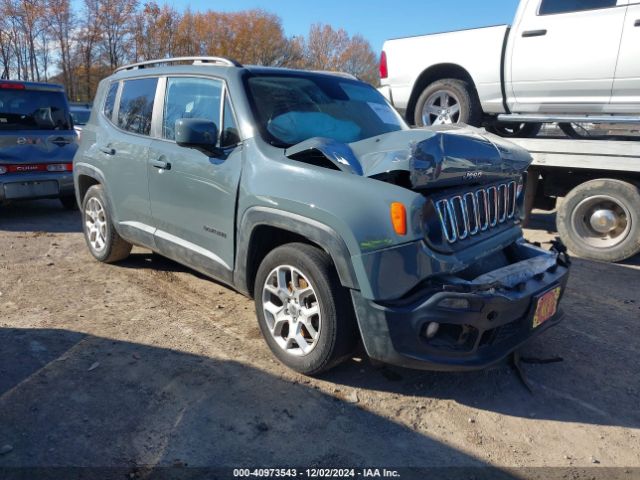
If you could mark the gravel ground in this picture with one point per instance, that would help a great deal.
(147, 363)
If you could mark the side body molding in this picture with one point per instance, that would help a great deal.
(315, 231)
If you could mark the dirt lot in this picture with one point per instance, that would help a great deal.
(148, 363)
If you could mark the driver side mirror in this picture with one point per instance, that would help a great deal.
(199, 134)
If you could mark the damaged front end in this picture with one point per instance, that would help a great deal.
(468, 320)
(424, 159)
(467, 290)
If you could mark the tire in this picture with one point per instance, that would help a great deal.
(102, 239)
(515, 130)
(575, 130)
(69, 203)
(607, 204)
(278, 313)
(470, 111)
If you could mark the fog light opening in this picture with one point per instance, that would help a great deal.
(432, 330)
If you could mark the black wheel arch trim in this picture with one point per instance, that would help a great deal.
(316, 232)
(87, 170)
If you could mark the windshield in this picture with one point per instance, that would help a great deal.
(33, 110)
(80, 117)
(291, 108)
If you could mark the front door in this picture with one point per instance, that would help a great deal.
(626, 88)
(564, 54)
(192, 194)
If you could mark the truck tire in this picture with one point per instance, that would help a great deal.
(448, 101)
(104, 243)
(305, 315)
(515, 130)
(600, 220)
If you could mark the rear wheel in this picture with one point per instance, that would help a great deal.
(581, 131)
(446, 102)
(104, 242)
(600, 220)
(515, 130)
(304, 313)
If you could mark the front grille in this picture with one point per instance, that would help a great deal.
(468, 214)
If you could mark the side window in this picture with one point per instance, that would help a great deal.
(229, 136)
(136, 105)
(190, 98)
(551, 7)
(110, 100)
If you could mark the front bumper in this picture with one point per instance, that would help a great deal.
(27, 186)
(497, 319)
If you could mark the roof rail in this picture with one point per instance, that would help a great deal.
(194, 60)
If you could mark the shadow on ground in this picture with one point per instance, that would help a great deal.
(38, 216)
(70, 399)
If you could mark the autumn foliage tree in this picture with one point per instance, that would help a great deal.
(87, 43)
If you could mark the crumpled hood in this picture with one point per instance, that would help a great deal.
(434, 158)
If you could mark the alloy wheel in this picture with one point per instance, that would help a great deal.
(292, 310)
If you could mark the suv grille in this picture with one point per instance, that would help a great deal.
(470, 213)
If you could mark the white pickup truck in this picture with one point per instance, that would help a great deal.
(566, 61)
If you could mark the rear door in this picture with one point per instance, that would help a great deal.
(626, 87)
(122, 150)
(193, 195)
(564, 55)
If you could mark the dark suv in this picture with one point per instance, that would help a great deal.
(37, 143)
(308, 192)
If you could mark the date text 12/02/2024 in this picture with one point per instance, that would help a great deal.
(316, 473)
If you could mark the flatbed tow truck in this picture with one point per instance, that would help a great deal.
(594, 185)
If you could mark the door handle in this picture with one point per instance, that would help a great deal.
(637, 24)
(108, 150)
(534, 33)
(161, 164)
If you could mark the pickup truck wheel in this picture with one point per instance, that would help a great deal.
(305, 315)
(600, 220)
(102, 239)
(515, 130)
(448, 101)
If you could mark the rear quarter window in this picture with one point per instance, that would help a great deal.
(110, 101)
(136, 105)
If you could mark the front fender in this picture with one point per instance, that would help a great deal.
(317, 232)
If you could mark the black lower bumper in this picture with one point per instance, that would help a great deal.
(482, 328)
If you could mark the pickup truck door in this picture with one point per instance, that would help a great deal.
(564, 53)
(193, 195)
(626, 86)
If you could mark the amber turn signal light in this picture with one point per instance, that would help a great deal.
(399, 218)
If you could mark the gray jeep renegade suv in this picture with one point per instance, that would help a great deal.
(308, 192)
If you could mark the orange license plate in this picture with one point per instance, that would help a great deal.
(547, 307)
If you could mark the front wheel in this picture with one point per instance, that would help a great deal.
(600, 220)
(305, 315)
